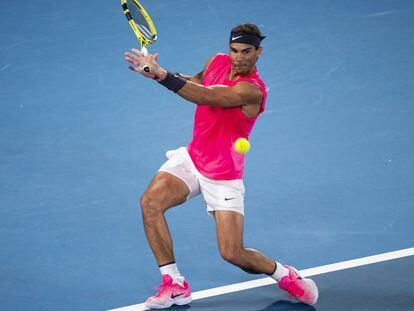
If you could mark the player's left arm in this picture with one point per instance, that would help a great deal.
(243, 93)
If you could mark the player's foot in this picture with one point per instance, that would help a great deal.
(169, 294)
(303, 289)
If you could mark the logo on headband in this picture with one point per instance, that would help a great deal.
(246, 38)
(235, 38)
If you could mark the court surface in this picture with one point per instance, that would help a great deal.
(329, 177)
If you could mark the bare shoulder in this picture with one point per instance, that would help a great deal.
(250, 92)
(251, 96)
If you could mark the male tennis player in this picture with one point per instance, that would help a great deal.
(229, 95)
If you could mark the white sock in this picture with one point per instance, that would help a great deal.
(280, 272)
(172, 270)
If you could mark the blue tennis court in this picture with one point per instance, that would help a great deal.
(329, 177)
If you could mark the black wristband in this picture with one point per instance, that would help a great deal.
(173, 82)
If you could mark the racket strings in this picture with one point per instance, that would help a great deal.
(139, 20)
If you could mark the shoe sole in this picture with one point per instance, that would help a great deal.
(169, 303)
(313, 284)
(315, 290)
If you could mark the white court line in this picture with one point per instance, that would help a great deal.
(306, 273)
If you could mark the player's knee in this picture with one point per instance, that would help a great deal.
(150, 208)
(231, 254)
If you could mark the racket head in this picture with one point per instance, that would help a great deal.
(140, 22)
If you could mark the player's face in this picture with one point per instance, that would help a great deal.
(244, 57)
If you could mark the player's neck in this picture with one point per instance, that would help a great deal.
(234, 76)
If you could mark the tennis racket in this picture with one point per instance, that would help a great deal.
(141, 24)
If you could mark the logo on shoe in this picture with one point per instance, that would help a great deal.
(175, 296)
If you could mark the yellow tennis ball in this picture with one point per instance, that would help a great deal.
(242, 145)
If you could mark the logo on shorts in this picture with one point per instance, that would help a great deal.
(228, 199)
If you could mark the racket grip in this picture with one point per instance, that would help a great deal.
(145, 51)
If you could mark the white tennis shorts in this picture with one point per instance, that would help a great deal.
(219, 195)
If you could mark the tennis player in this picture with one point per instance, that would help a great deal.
(230, 95)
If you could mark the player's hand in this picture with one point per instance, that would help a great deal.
(138, 60)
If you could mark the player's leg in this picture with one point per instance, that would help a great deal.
(225, 200)
(174, 183)
(164, 191)
(229, 227)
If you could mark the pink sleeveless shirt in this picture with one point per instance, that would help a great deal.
(217, 128)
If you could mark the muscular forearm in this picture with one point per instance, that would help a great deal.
(197, 93)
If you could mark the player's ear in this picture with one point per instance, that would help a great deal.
(259, 51)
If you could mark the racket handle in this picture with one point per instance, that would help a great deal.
(145, 51)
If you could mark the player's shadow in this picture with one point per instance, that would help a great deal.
(175, 307)
(280, 305)
(283, 305)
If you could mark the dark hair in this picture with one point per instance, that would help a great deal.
(248, 29)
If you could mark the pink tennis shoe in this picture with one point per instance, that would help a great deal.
(169, 294)
(303, 289)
